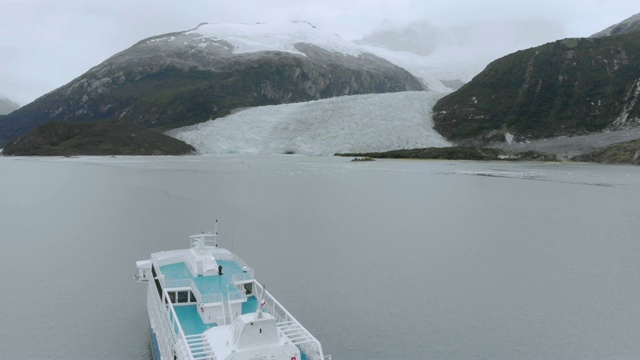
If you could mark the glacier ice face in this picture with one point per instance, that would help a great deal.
(362, 123)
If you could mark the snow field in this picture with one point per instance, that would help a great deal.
(248, 38)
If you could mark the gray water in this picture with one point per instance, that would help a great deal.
(379, 260)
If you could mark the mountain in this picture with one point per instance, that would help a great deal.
(446, 57)
(7, 106)
(627, 26)
(568, 87)
(189, 77)
(61, 138)
(362, 123)
(621, 153)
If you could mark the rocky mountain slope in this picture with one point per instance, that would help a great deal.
(61, 138)
(568, 87)
(627, 26)
(188, 77)
(621, 153)
(7, 106)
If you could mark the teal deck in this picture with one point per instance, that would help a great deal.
(192, 323)
(188, 315)
(190, 320)
(207, 285)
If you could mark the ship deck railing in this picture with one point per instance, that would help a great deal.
(205, 298)
(289, 326)
(205, 239)
(231, 293)
(170, 332)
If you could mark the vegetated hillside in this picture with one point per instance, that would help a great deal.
(622, 153)
(60, 138)
(571, 86)
(188, 77)
(456, 153)
(7, 106)
(626, 26)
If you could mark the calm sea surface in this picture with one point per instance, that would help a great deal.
(379, 260)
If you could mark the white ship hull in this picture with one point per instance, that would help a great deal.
(204, 303)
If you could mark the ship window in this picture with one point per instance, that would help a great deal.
(248, 288)
(183, 296)
(172, 296)
(192, 298)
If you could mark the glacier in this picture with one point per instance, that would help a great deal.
(362, 123)
(359, 123)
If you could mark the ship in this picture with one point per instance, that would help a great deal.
(205, 303)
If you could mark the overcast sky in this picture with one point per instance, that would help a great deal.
(45, 43)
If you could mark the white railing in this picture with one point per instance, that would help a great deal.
(312, 347)
(177, 284)
(235, 295)
(204, 239)
(242, 277)
(243, 265)
(200, 347)
(226, 312)
(206, 298)
(171, 338)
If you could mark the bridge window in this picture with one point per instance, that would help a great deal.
(248, 288)
(183, 296)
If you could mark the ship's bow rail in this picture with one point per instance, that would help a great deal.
(290, 327)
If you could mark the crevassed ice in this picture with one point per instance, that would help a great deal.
(362, 123)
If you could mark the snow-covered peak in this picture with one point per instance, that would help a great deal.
(248, 38)
(7, 106)
(627, 26)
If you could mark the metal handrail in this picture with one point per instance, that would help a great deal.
(204, 239)
(235, 295)
(205, 299)
(282, 315)
(243, 265)
(170, 331)
(182, 283)
(245, 276)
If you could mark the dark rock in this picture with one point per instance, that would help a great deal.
(62, 138)
(622, 153)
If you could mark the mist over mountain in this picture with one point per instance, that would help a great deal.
(446, 57)
(421, 38)
(7, 106)
(424, 38)
(626, 26)
(480, 42)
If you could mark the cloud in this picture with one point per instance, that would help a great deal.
(45, 44)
